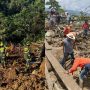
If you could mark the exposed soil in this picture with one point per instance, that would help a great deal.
(14, 77)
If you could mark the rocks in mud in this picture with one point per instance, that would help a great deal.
(56, 42)
(85, 54)
(49, 35)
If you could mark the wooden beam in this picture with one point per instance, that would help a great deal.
(66, 79)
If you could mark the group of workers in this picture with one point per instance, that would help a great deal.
(68, 45)
(55, 18)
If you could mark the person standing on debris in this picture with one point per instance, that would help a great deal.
(84, 63)
(53, 20)
(68, 48)
(26, 56)
(58, 18)
(68, 18)
(53, 15)
(2, 52)
(85, 27)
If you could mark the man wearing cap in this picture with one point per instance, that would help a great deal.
(68, 48)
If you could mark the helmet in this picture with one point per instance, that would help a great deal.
(71, 36)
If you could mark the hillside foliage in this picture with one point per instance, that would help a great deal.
(22, 20)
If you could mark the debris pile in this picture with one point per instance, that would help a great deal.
(14, 77)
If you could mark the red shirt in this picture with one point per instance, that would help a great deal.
(79, 62)
(66, 30)
(85, 26)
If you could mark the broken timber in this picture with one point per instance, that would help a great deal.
(66, 79)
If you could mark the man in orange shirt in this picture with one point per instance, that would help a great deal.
(84, 63)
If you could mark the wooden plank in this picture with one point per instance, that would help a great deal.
(67, 80)
(56, 87)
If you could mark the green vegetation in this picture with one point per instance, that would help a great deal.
(22, 20)
(54, 3)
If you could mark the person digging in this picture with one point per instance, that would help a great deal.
(84, 64)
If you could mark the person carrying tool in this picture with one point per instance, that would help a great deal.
(68, 48)
(84, 63)
(2, 52)
(26, 56)
(85, 27)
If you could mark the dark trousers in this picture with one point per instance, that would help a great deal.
(85, 32)
(66, 56)
(85, 71)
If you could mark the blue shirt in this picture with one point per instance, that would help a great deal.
(68, 45)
